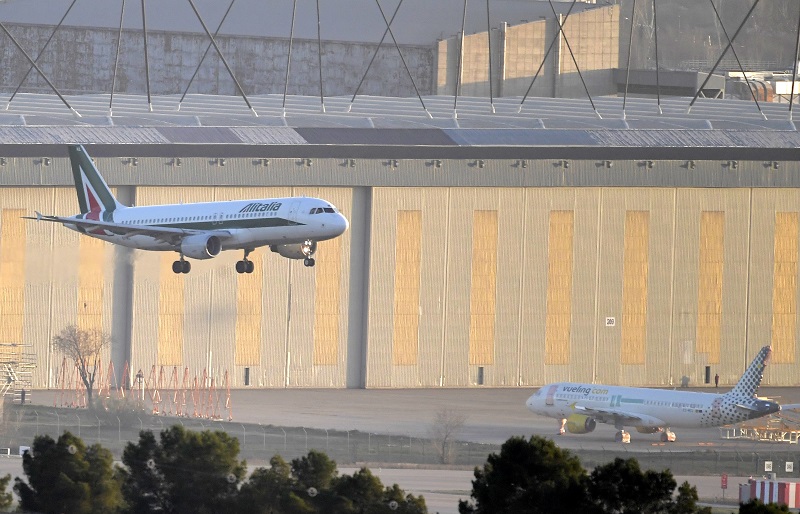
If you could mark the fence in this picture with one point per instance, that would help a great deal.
(258, 443)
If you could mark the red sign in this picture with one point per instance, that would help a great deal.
(724, 481)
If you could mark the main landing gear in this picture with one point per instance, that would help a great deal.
(668, 436)
(181, 266)
(245, 265)
(622, 437)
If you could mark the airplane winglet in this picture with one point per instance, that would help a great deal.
(38, 215)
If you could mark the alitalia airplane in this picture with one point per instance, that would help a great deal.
(291, 226)
(580, 407)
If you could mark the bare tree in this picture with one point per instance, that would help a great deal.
(443, 431)
(83, 347)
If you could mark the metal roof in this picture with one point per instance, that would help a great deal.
(381, 121)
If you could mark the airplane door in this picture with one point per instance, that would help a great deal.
(551, 391)
(293, 208)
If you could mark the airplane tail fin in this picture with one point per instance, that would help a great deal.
(93, 192)
(748, 384)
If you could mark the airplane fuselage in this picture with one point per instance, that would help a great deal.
(250, 223)
(656, 407)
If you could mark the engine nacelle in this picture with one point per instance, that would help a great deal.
(295, 251)
(648, 430)
(580, 424)
(201, 246)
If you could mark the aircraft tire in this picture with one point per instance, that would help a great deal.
(177, 267)
(241, 266)
(186, 267)
(250, 267)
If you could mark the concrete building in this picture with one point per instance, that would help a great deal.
(535, 49)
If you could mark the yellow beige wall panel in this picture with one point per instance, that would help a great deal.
(483, 290)
(512, 288)
(770, 247)
(634, 286)
(457, 370)
(12, 280)
(710, 307)
(46, 259)
(170, 314)
(330, 282)
(433, 295)
(91, 282)
(328, 309)
(560, 248)
(784, 288)
(408, 258)
(538, 205)
(273, 290)
(627, 257)
(248, 317)
(172, 323)
(711, 263)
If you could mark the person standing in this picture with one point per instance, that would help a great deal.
(716, 380)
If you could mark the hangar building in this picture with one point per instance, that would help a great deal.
(513, 244)
(496, 249)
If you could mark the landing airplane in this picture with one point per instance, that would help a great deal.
(291, 227)
(581, 406)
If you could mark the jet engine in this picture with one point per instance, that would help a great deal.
(201, 246)
(580, 424)
(295, 251)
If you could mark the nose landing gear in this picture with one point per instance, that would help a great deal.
(308, 249)
(245, 265)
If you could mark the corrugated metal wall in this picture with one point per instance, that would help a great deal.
(503, 286)
(637, 286)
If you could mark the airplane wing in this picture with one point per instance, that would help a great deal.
(169, 235)
(618, 416)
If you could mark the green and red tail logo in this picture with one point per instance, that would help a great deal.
(93, 192)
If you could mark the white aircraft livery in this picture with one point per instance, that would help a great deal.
(581, 406)
(291, 226)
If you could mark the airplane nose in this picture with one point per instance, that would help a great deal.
(341, 224)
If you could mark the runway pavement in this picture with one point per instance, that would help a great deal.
(492, 416)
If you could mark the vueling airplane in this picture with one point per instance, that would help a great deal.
(290, 226)
(581, 406)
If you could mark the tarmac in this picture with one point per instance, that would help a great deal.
(492, 415)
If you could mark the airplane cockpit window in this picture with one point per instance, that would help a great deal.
(329, 209)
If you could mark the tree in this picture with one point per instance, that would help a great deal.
(6, 499)
(273, 490)
(528, 477)
(686, 502)
(313, 485)
(757, 507)
(185, 471)
(315, 470)
(363, 492)
(443, 431)
(621, 487)
(84, 348)
(66, 476)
